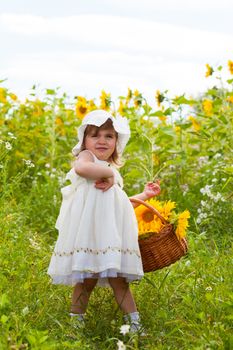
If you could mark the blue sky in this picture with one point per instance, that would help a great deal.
(86, 46)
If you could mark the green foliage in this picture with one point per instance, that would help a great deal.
(187, 143)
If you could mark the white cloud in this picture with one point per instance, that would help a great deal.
(177, 4)
(122, 33)
(88, 73)
(86, 53)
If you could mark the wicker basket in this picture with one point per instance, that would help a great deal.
(160, 249)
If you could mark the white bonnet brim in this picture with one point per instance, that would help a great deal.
(98, 118)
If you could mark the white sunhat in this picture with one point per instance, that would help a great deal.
(99, 117)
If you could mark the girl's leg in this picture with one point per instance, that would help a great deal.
(81, 295)
(127, 304)
(123, 294)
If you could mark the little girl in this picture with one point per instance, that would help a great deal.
(98, 234)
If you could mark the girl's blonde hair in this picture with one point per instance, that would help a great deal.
(94, 130)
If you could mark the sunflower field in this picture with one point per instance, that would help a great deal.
(187, 143)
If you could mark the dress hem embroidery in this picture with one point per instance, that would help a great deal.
(98, 251)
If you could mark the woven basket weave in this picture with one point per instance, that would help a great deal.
(160, 249)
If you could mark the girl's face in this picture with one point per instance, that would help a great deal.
(101, 142)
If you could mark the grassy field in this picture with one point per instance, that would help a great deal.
(185, 306)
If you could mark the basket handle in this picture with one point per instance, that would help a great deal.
(139, 201)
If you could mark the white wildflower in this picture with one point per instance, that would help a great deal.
(34, 243)
(124, 329)
(185, 188)
(198, 220)
(214, 180)
(217, 197)
(121, 345)
(29, 163)
(12, 136)
(136, 186)
(8, 145)
(60, 180)
(156, 147)
(209, 289)
(206, 190)
(203, 160)
(55, 199)
(47, 165)
(25, 311)
(56, 109)
(217, 155)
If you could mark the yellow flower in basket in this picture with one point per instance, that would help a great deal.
(182, 224)
(149, 223)
(161, 233)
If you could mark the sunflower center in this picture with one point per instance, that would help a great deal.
(147, 216)
(82, 109)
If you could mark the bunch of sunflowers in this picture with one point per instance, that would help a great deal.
(149, 223)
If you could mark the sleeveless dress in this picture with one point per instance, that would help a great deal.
(98, 233)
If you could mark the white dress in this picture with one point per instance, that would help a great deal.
(98, 233)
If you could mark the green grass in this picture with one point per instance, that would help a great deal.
(185, 306)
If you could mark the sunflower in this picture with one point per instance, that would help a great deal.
(81, 107)
(13, 97)
(129, 96)
(177, 129)
(91, 105)
(163, 118)
(230, 66)
(58, 121)
(230, 98)
(195, 124)
(3, 95)
(209, 70)
(121, 108)
(167, 209)
(137, 98)
(159, 97)
(149, 223)
(152, 227)
(147, 220)
(105, 101)
(182, 224)
(38, 108)
(208, 107)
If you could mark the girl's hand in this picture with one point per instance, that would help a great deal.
(152, 189)
(104, 184)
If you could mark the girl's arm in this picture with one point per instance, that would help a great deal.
(84, 166)
(151, 189)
